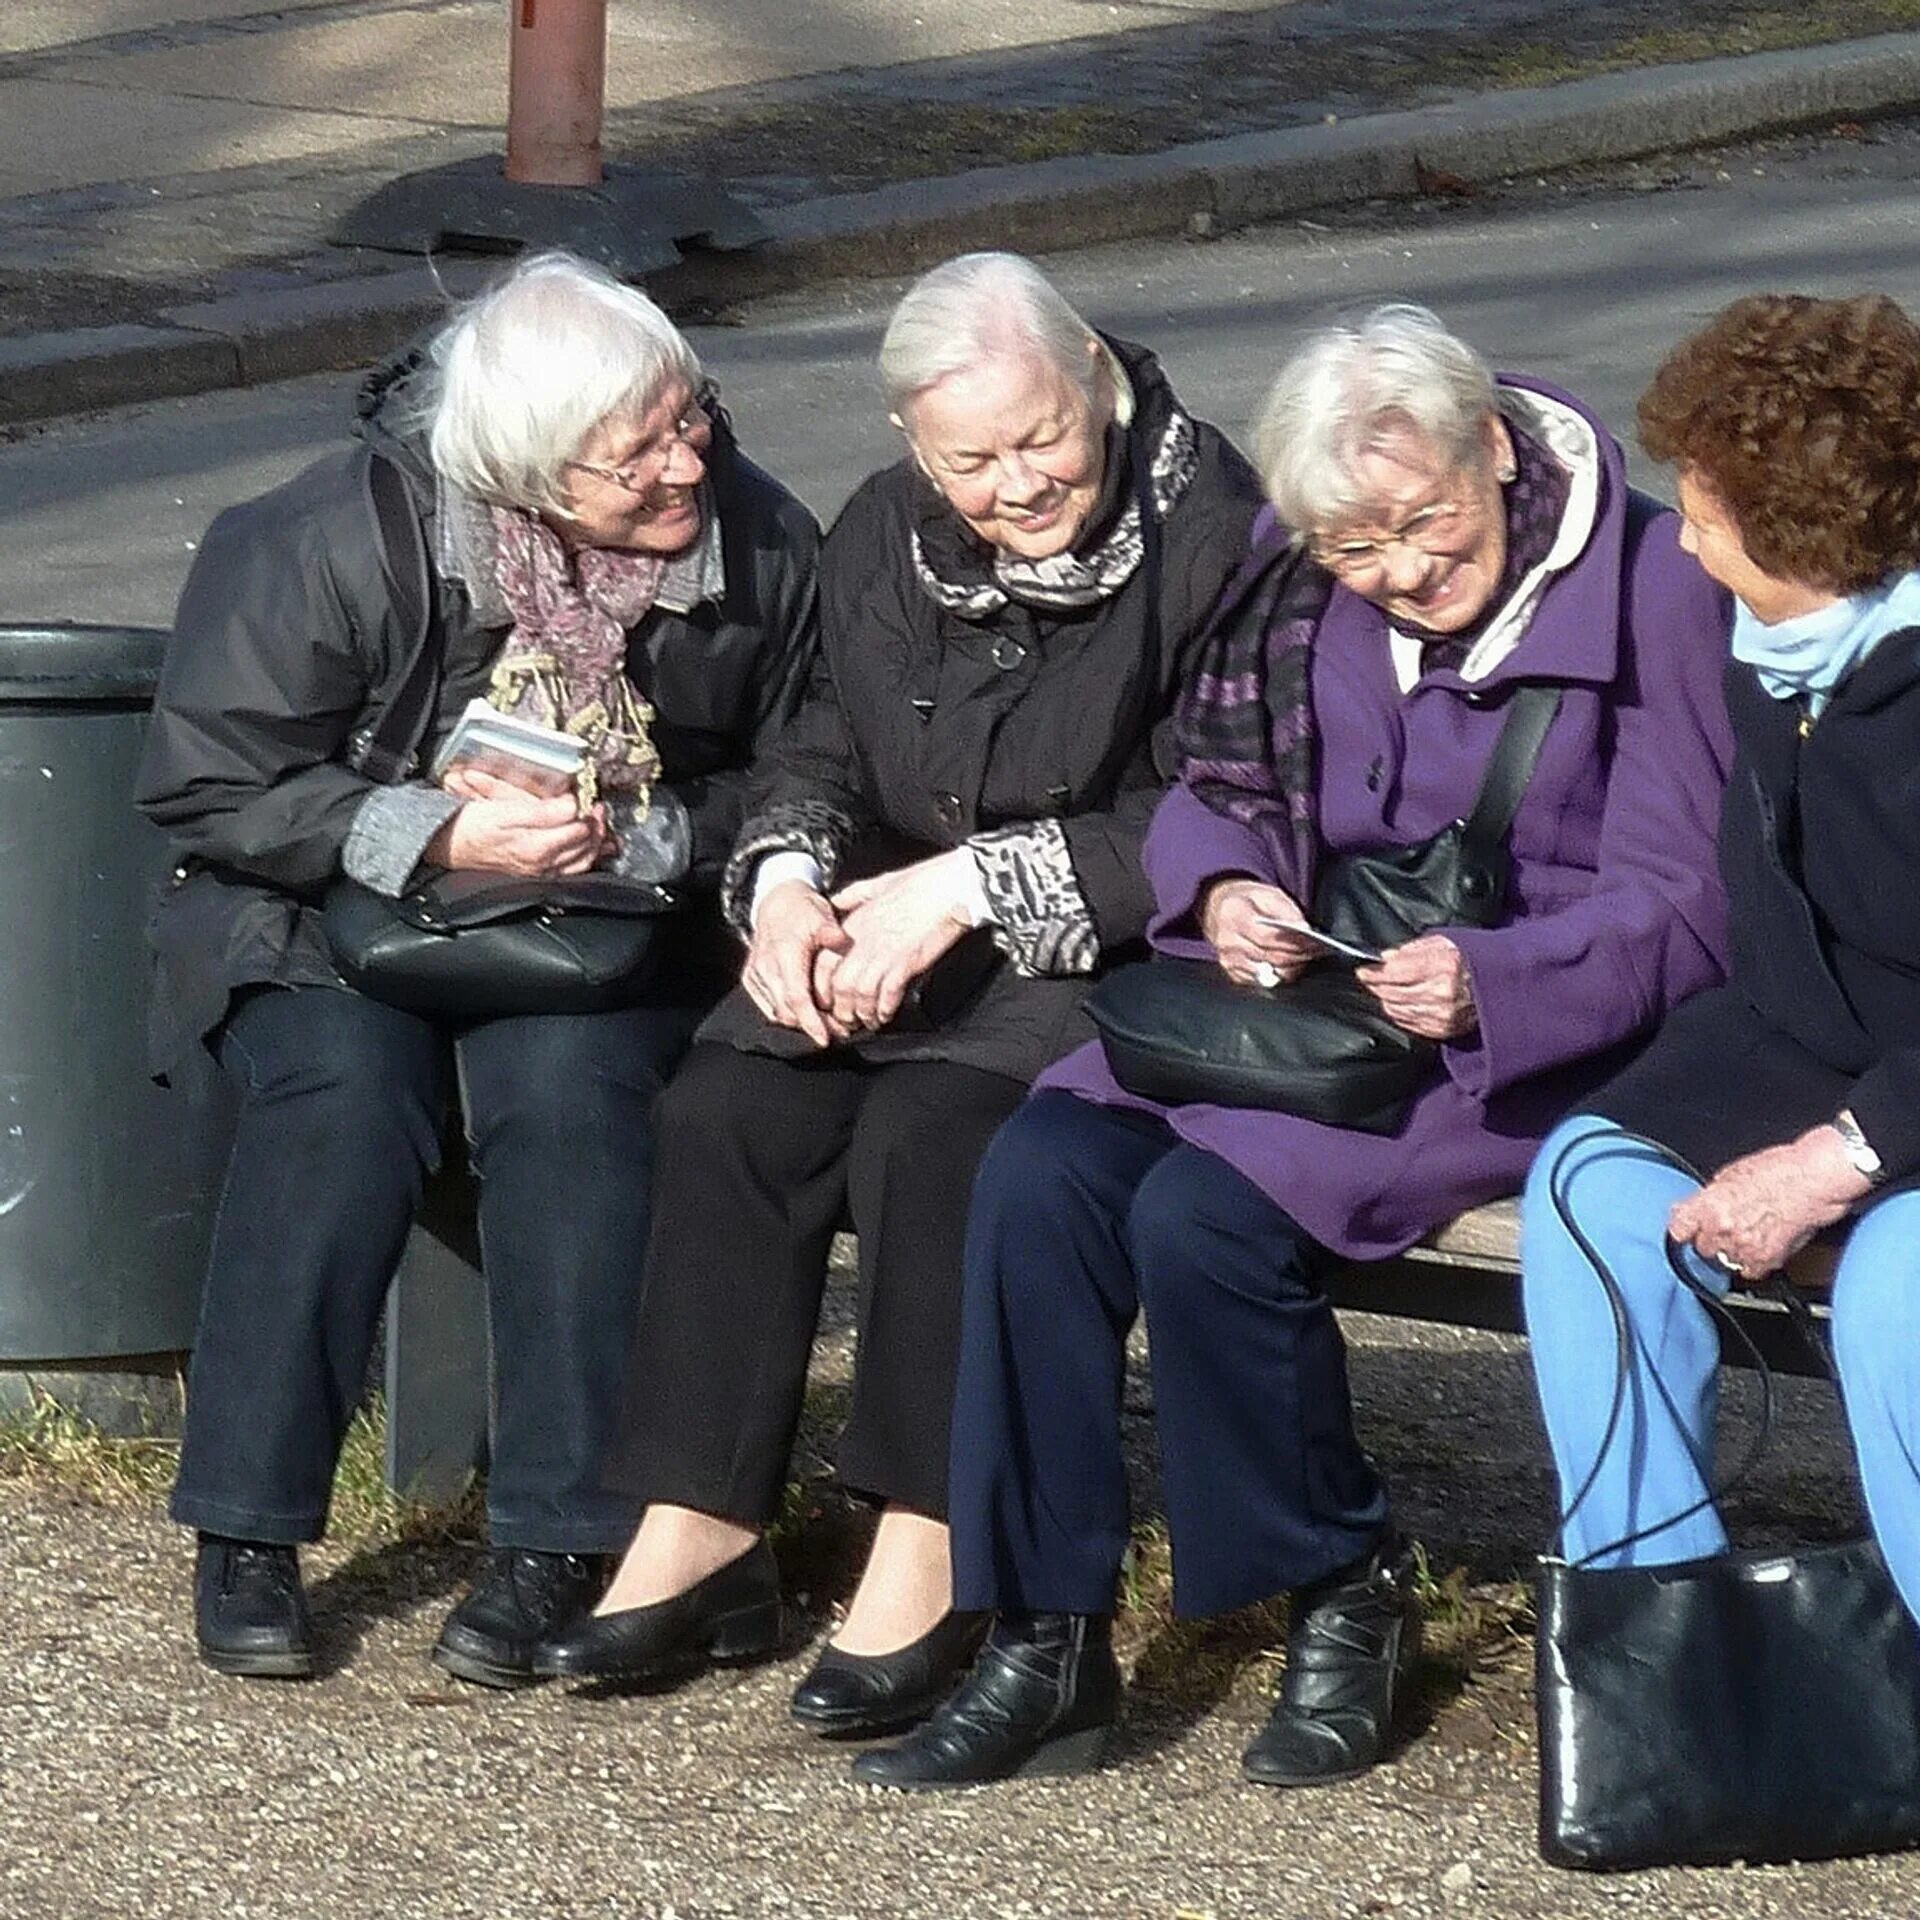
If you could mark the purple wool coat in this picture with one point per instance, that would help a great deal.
(1616, 913)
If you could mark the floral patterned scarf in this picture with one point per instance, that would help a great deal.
(564, 664)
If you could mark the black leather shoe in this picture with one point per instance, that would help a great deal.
(856, 1696)
(250, 1610)
(1041, 1698)
(523, 1598)
(730, 1618)
(1354, 1640)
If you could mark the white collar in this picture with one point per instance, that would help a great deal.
(1569, 437)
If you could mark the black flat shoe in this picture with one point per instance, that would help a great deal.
(1354, 1640)
(730, 1618)
(522, 1599)
(250, 1610)
(856, 1696)
(1041, 1698)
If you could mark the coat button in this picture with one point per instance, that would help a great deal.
(947, 806)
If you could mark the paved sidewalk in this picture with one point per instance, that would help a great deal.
(171, 168)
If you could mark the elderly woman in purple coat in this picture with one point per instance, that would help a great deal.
(1453, 538)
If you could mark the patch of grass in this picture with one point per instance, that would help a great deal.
(46, 1439)
(1762, 30)
(50, 1442)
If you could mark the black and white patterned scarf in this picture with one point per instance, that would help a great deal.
(966, 576)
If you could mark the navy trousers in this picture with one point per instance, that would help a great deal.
(1082, 1217)
(341, 1103)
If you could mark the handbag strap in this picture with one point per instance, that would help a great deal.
(1637, 1146)
(1530, 712)
(385, 746)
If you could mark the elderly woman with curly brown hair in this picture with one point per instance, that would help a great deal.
(1795, 1087)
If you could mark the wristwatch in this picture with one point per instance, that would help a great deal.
(1854, 1144)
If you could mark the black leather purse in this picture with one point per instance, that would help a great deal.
(1181, 1032)
(1761, 1705)
(474, 945)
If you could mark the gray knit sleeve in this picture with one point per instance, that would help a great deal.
(656, 846)
(391, 829)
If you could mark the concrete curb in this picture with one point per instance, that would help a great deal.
(1053, 204)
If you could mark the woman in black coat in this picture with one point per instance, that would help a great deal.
(1793, 1090)
(948, 852)
(547, 511)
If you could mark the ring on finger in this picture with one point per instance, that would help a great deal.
(1728, 1264)
(1266, 974)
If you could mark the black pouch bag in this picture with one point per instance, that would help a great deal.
(1761, 1705)
(1179, 1031)
(474, 945)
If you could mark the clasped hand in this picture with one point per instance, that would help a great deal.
(506, 829)
(1422, 987)
(834, 967)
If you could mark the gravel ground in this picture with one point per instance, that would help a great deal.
(135, 1782)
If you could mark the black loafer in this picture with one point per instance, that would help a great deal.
(1353, 1642)
(250, 1610)
(730, 1618)
(1042, 1698)
(522, 1599)
(855, 1696)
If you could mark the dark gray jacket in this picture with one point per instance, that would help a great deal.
(290, 641)
(1039, 738)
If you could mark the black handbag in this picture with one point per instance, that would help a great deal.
(474, 945)
(1180, 1031)
(471, 943)
(1760, 1705)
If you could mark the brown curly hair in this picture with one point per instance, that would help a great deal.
(1803, 417)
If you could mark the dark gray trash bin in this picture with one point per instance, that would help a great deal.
(107, 1183)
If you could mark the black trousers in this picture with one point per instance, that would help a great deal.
(341, 1101)
(759, 1160)
(1083, 1217)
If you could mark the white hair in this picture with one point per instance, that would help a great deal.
(972, 309)
(1345, 387)
(524, 373)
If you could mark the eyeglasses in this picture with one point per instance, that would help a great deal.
(692, 430)
(1434, 529)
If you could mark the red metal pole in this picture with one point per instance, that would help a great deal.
(556, 89)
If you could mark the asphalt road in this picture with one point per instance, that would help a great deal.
(1587, 285)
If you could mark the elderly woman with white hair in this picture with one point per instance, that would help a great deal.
(948, 852)
(1443, 541)
(547, 511)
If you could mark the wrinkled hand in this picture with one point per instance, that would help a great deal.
(795, 927)
(506, 829)
(1423, 988)
(1237, 918)
(899, 924)
(1757, 1213)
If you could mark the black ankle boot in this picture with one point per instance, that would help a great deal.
(1354, 1640)
(250, 1610)
(522, 1599)
(1041, 1698)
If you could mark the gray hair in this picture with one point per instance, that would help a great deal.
(523, 374)
(1346, 385)
(973, 308)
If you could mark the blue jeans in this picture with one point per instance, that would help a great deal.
(341, 1104)
(1082, 1217)
(1650, 1473)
